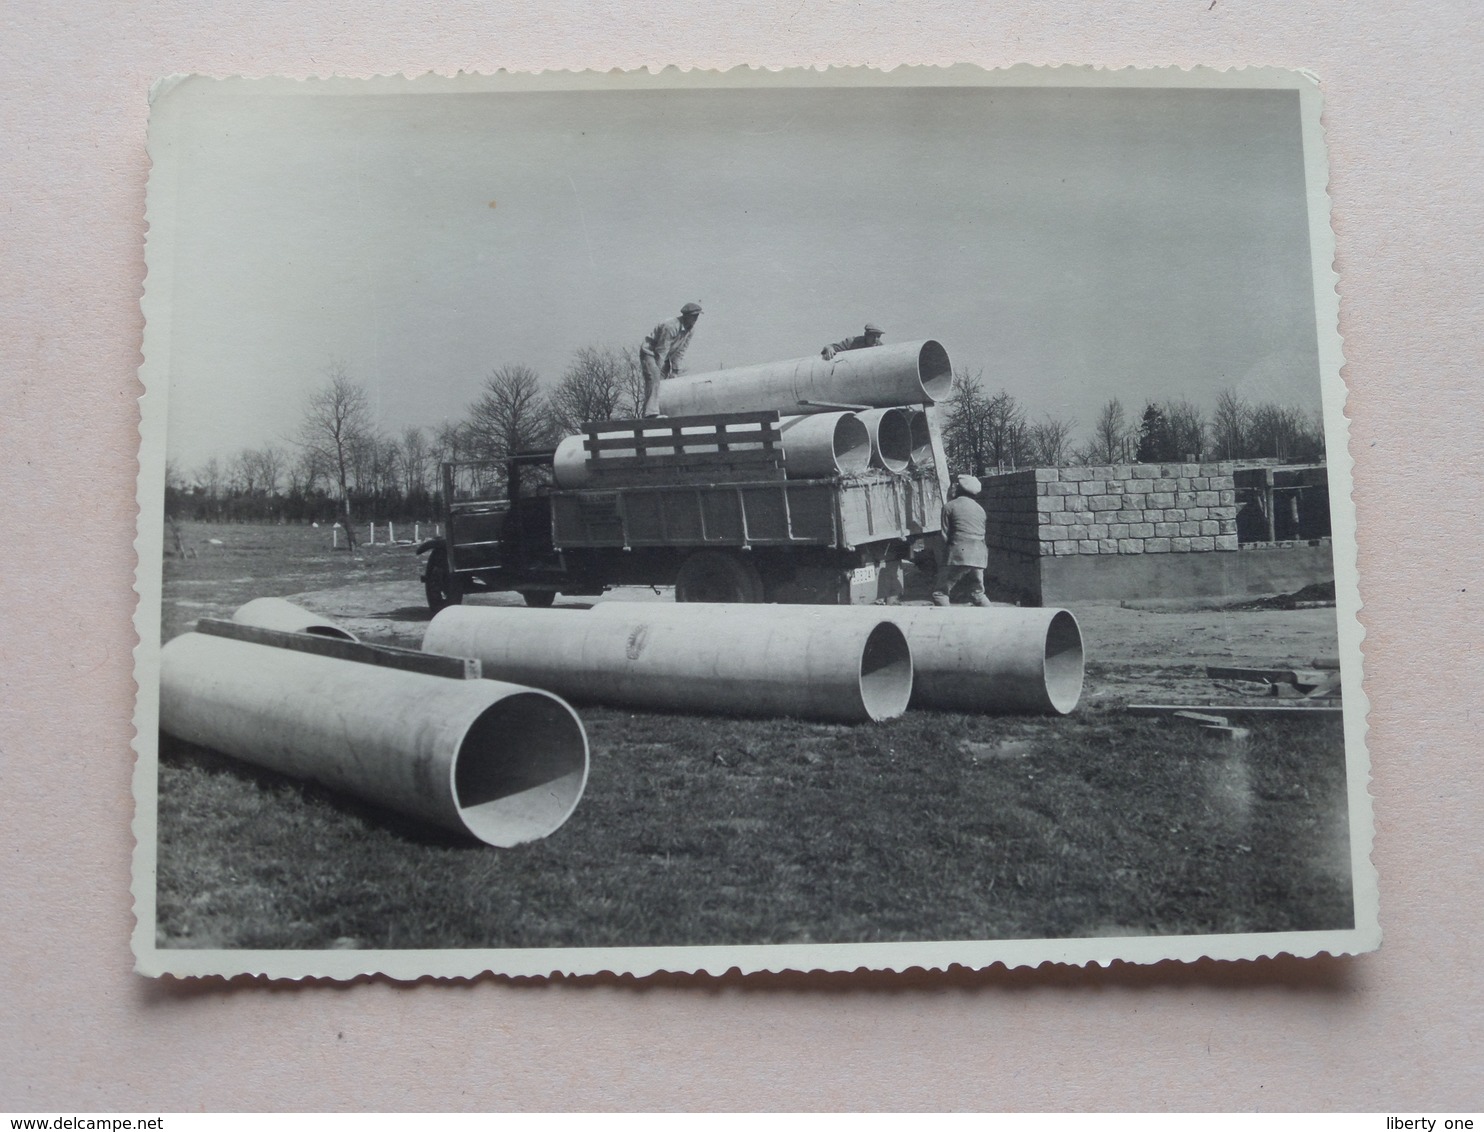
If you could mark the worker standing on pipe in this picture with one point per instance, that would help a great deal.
(964, 526)
(660, 354)
(872, 337)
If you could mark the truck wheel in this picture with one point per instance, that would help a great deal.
(715, 576)
(539, 599)
(440, 584)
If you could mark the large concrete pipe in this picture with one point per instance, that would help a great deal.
(275, 613)
(891, 438)
(824, 444)
(999, 660)
(995, 660)
(906, 373)
(504, 763)
(569, 465)
(742, 660)
(922, 438)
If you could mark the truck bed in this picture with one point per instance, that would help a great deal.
(838, 513)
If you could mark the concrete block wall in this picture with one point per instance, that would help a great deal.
(1124, 509)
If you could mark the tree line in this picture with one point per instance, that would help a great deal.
(340, 465)
(985, 431)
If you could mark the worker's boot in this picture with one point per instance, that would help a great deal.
(941, 599)
(981, 600)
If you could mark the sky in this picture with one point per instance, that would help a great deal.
(1070, 245)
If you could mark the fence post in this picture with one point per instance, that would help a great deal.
(372, 540)
(391, 533)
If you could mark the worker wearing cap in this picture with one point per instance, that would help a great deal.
(660, 354)
(964, 529)
(872, 337)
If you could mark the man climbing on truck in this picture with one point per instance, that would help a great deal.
(660, 354)
(872, 337)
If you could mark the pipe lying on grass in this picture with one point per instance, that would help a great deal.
(768, 660)
(275, 613)
(997, 660)
(904, 373)
(504, 763)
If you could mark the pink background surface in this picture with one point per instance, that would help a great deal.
(1398, 1029)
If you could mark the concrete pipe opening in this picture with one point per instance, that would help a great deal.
(935, 371)
(922, 440)
(886, 672)
(891, 438)
(520, 770)
(1063, 662)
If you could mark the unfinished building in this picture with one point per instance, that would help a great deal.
(1156, 531)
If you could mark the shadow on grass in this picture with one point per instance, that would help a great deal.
(408, 613)
(181, 754)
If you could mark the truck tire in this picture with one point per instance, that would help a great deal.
(440, 583)
(716, 576)
(539, 599)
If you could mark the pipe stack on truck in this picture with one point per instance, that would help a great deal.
(801, 481)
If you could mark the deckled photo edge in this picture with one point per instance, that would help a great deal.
(976, 954)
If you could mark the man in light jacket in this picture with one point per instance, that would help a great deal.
(964, 527)
(659, 356)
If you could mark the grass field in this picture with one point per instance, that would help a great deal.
(698, 830)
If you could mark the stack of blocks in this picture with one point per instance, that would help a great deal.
(1124, 509)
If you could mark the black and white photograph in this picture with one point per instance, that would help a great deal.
(801, 520)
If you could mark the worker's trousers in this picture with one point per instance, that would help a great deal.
(651, 370)
(950, 576)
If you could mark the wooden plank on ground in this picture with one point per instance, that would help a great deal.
(1250, 712)
(1255, 675)
(382, 656)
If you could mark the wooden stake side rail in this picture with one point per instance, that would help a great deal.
(383, 656)
(664, 441)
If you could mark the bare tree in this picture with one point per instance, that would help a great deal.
(1231, 422)
(271, 464)
(633, 383)
(1049, 442)
(594, 388)
(413, 460)
(305, 472)
(1112, 439)
(510, 415)
(1185, 426)
(1286, 433)
(982, 430)
(337, 419)
(242, 472)
(209, 478)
